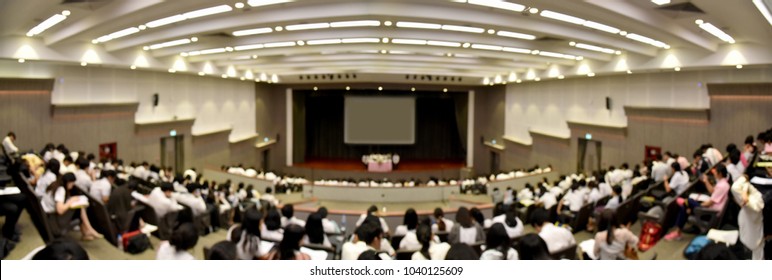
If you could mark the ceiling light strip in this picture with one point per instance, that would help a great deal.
(48, 23)
(498, 5)
(713, 30)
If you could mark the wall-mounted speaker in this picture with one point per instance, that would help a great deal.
(155, 99)
(608, 103)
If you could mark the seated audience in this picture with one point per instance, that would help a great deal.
(62, 249)
(461, 252)
(478, 217)
(247, 235)
(498, 245)
(407, 230)
(82, 177)
(678, 182)
(101, 188)
(51, 175)
(288, 216)
(60, 207)
(369, 255)
(440, 222)
(718, 197)
(271, 229)
(289, 247)
(183, 238)
(373, 211)
(533, 247)
(511, 222)
(466, 230)
(430, 249)
(612, 243)
(268, 196)
(315, 231)
(557, 238)
(330, 226)
(161, 199)
(616, 198)
(368, 237)
(223, 250)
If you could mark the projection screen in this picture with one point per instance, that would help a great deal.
(379, 120)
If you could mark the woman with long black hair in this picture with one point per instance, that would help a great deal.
(611, 243)
(430, 250)
(498, 245)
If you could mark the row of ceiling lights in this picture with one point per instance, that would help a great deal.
(380, 88)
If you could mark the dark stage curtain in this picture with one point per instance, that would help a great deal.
(437, 129)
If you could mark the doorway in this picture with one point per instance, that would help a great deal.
(495, 162)
(266, 156)
(173, 152)
(589, 160)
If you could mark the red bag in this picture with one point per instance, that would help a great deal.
(651, 232)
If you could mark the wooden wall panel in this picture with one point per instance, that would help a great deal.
(211, 150)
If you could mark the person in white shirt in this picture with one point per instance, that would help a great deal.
(548, 200)
(595, 193)
(251, 172)
(191, 197)
(612, 243)
(440, 222)
(9, 146)
(373, 211)
(142, 171)
(430, 249)
(368, 237)
(161, 199)
(678, 182)
(330, 226)
(183, 239)
(268, 196)
(67, 166)
(190, 173)
(315, 231)
(247, 238)
(498, 245)
(532, 247)
(288, 216)
(50, 176)
(407, 230)
(557, 238)
(734, 167)
(101, 188)
(659, 170)
(466, 230)
(81, 174)
(271, 229)
(575, 199)
(616, 198)
(508, 217)
(60, 208)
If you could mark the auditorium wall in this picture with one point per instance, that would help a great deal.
(676, 111)
(83, 107)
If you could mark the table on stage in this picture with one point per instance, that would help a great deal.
(380, 162)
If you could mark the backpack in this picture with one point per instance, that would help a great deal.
(651, 232)
(136, 242)
(696, 246)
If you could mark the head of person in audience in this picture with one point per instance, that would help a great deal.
(290, 243)
(539, 217)
(719, 172)
(748, 145)
(67, 160)
(62, 249)
(251, 222)
(62, 149)
(315, 229)
(372, 210)
(268, 190)
(273, 219)
(477, 215)
(439, 216)
(734, 157)
(592, 185)
(499, 209)
(532, 247)
(322, 211)
(625, 166)
(184, 237)
(617, 191)
(145, 165)
(223, 250)
(410, 219)
(167, 189)
(370, 233)
(667, 156)
(424, 236)
(369, 255)
(461, 252)
(67, 181)
(675, 167)
(110, 175)
(609, 223)
(288, 211)
(510, 216)
(53, 167)
(82, 163)
(464, 218)
(498, 239)
(697, 156)
(12, 136)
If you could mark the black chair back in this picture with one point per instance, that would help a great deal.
(405, 254)
(395, 240)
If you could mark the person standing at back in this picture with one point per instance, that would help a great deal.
(9, 146)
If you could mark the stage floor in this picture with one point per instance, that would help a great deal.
(355, 165)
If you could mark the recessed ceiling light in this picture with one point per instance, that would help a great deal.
(142, 27)
(591, 74)
(21, 60)
(301, 43)
(387, 23)
(385, 40)
(444, 90)
(465, 45)
(201, 73)
(677, 69)
(561, 77)
(254, 56)
(661, 2)
(412, 89)
(533, 10)
(629, 72)
(66, 12)
(739, 66)
(171, 70)
(348, 88)
(278, 28)
(623, 33)
(572, 43)
(380, 88)
(519, 81)
(491, 31)
(133, 67)
(83, 63)
(239, 5)
(383, 51)
(194, 39)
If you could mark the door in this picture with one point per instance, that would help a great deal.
(266, 156)
(589, 153)
(172, 152)
(495, 161)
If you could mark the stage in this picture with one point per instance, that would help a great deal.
(356, 170)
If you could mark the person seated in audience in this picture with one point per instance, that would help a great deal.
(700, 164)
(713, 155)
(533, 247)
(101, 188)
(223, 250)
(315, 231)
(62, 249)
(466, 230)
(67, 166)
(748, 151)
(288, 216)
(616, 198)
(430, 248)
(678, 182)
(330, 226)
(441, 224)
(166, 174)
(557, 238)
(268, 196)
(734, 167)
(498, 245)
(271, 229)
(611, 243)
(247, 236)
(461, 252)
(595, 193)
(142, 171)
(575, 199)
(368, 236)
(407, 230)
(161, 199)
(191, 173)
(369, 255)
(51, 175)
(120, 201)
(183, 238)
(510, 221)
(373, 211)
(659, 169)
(479, 217)
(60, 153)
(8, 145)
(153, 174)
(60, 207)
(718, 197)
